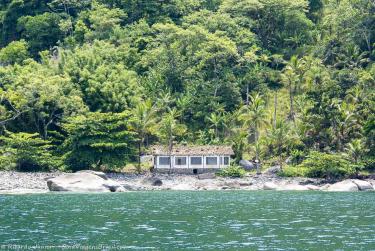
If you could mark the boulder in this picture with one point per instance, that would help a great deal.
(183, 187)
(152, 181)
(100, 174)
(293, 187)
(363, 185)
(232, 184)
(205, 176)
(273, 170)
(343, 186)
(270, 186)
(82, 182)
(312, 187)
(247, 165)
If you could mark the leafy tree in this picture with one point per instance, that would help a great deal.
(41, 32)
(15, 52)
(99, 141)
(27, 152)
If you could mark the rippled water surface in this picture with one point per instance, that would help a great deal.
(192, 220)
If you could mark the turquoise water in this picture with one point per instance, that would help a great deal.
(207, 220)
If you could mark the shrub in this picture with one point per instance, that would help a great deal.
(328, 166)
(293, 171)
(232, 171)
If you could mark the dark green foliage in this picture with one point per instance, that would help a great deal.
(27, 152)
(276, 79)
(42, 31)
(98, 140)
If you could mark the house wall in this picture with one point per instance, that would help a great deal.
(189, 165)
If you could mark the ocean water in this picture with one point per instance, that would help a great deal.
(200, 220)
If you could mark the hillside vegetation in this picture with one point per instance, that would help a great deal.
(92, 83)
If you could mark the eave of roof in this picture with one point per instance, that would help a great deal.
(192, 150)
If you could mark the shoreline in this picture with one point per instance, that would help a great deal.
(12, 182)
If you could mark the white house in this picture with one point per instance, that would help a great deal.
(191, 159)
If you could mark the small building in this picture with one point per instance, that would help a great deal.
(191, 159)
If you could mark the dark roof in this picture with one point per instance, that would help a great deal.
(192, 150)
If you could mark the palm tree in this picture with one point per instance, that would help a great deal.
(280, 139)
(254, 116)
(356, 149)
(215, 120)
(170, 128)
(144, 124)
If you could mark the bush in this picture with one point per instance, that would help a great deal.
(293, 171)
(328, 166)
(232, 171)
(26, 152)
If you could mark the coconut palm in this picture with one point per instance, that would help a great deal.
(254, 116)
(144, 123)
(170, 128)
(215, 120)
(356, 149)
(280, 139)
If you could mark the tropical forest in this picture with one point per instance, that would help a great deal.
(92, 84)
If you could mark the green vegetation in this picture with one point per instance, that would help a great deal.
(91, 84)
(233, 172)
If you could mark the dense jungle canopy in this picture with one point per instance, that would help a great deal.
(92, 83)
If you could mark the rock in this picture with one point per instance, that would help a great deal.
(273, 170)
(82, 182)
(343, 186)
(245, 183)
(205, 176)
(293, 187)
(232, 184)
(132, 187)
(112, 185)
(152, 181)
(100, 174)
(120, 190)
(325, 187)
(183, 187)
(269, 186)
(312, 187)
(363, 185)
(247, 165)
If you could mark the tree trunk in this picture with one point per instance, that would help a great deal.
(291, 113)
(247, 95)
(139, 156)
(275, 110)
(257, 151)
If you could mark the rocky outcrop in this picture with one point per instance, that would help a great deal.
(84, 181)
(270, 186)
(363, 185)
(205, 176)
(293, 187)
(247, 165)
(343, 186)
(152, 181)
(273, 170)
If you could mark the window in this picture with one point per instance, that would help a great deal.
(196, 160)
(163, 161)
(226, 161)
(211, 160)
(180, 161)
